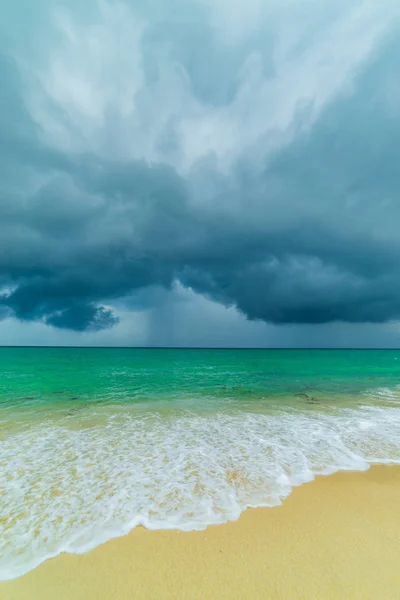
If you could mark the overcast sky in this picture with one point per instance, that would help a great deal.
(200, 172)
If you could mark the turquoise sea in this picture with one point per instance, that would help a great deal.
(94, 442)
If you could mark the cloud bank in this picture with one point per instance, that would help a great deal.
(246, 152)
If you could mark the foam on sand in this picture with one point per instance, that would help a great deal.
(69, 488)
(335, 538)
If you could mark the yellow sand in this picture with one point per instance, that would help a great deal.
(338, 537)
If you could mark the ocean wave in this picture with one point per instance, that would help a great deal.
(67, 489)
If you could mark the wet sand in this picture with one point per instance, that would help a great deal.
(335, 538)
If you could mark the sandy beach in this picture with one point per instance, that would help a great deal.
(337, 537)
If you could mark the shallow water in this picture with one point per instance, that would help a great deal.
(96, 441)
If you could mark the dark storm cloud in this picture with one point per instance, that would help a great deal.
(303, 230)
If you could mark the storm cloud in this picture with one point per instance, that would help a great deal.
(247, 152)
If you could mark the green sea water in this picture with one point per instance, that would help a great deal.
(96, 441)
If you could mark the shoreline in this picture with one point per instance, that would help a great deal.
(335, 537)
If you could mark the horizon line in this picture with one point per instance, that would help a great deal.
(201, 347)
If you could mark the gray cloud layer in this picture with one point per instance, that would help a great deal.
(249, 152)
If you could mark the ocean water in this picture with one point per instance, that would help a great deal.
(94, 442)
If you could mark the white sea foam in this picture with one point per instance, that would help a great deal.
(69, 489)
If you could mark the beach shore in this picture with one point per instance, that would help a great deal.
(335, 538)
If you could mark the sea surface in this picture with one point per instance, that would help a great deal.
(94, 442)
